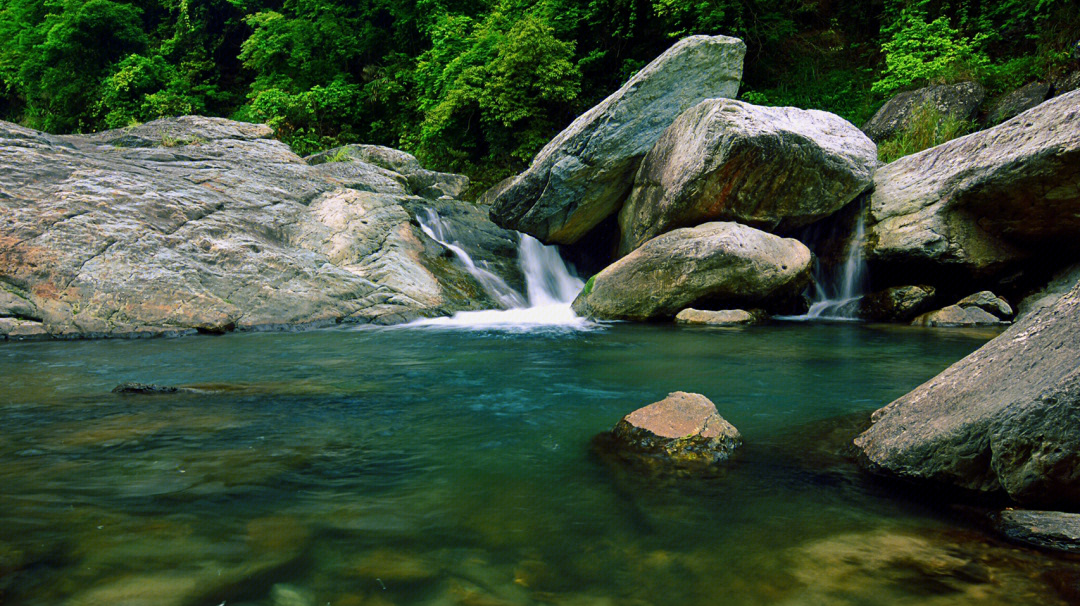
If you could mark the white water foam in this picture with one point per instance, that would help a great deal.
(836, 302)
(550, 288)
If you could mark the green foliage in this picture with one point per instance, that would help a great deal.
(920, 53)
(927, 128)
(589, 286)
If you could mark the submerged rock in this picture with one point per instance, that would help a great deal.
(723, 264)
(1002, 419)
(724, 317)
(144, 388)
(1045, 529)
(957, 100)
(683, 430)
(582, 176)
(202, 224)
(984, 202)
(768, 167)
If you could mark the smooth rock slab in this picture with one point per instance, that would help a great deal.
(583, 175)
(767, 167)
(1045, 529)
(683, 429)
(723, 264)
(724, 317)
(1004, 418)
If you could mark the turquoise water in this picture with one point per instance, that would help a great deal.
(427, 466)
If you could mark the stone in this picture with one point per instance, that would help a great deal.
(1018, 102)
(393, 567)
(420, 182)
(195, 224)
(724, 317)
(723, 264)
(960, 100)
(896, 303)
(955, 316)
(584, 174)
(1003, 419)
(1059, 284)
(988, 302)
(985, 202)
(144, 388)
(1053, 530)
(773, 168)
(283, 594)
(683, 429)
(1067, 83)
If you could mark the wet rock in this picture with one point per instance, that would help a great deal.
(724, 317)
(720, 265)
(283, 594)
(988, 302)
(1044, 529)
(896, 304)
(683, 430)
(582, 176)
(1002, 419)
(144, 388)
(958, 100)
(773, 168)
(393, 567)
(982, 203)
(204, 225)
(1018, 102)
(955, 316)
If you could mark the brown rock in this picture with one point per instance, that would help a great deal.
(683, 429)
(724, 317)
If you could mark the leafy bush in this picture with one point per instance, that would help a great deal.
(927, 128)
(920, 53)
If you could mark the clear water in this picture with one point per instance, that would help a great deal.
(428, 466)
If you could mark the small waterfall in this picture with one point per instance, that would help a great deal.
(835, 298)
(550, 287)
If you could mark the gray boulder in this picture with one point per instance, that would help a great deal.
(955, 316)
(683, 430)
(1018, 102)
(896, 304)
(988, 302)
(1053, 530)
(768, 167)
(583, 175)
(420, 182)
(202, 224)
(960, 101)
(720, 264)
(1002, 419)
(984, 202)
(723, 317)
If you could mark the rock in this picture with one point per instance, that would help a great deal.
(955, 316)
(1045, 529)
(983, 202)
(725, 317)
(683, 429)
(726, 265)
(1067, 83)
(583, 175)
(198, 224)
(491, 194)
(988, 302)
(283, 594)
(958, 100)
(896, 304)
(1018, 102)
(1049, 294)
(421, 182)
(1002, 419)
(144, 388)
(773, 168)
(394, 567)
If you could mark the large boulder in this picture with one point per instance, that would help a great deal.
(206, 224)
(981, 203)
(980, 309)
(960, 101)
(721, 265)
(1004, 418)
(421, 182)
(1054, 530)
(774, 168)
(583, 175)
(896, 303)
(1018, 101)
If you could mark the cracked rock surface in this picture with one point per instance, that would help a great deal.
(205, 224)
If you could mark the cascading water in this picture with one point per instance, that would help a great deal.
(835, 299)
(550, 287)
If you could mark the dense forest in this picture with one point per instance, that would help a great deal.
(478, 86)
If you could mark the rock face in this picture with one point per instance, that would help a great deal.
(583, 175)
(1046, 529)
(206, 224)
(1049, 294)
(984, 201)
(683, 429)
(896, 304)
(724, 317)
(1018, 101)
(1003, 418)
(768, 167)
(421, 182)
(957, 100)
(723, 264)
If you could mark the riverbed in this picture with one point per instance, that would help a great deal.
(441, 465)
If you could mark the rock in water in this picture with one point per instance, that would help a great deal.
(722, 264)
(1003, 418)
(980, 309)
(724, 317)
(1046, 529)
(984, 201)
(583, 175)
(959, 100)
(896, 304)
(204, 224)
(683, 429)
(768, 167)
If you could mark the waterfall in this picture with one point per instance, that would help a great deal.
(836, 298)
(550, 287)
